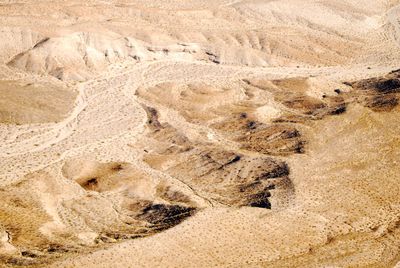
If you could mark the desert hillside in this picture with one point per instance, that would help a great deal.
(199, 133)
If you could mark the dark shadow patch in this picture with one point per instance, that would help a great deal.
(276, 139)
(164, 216)
(152, 117)
(91, 184)
(339, 109)
(41, 42)
(380, 94)
(260, 200)
(305, 104)
(382, 103)
(388, 86)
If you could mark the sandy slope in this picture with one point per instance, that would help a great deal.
(203, 133)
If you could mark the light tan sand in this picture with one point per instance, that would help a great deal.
(203, 133)
(31, 103)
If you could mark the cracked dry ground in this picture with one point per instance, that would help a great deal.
(230, 157)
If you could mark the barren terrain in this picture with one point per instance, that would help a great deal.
(169, 133)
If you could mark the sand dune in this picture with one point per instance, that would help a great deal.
(225, 133)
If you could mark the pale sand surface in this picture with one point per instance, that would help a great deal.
(199, 133)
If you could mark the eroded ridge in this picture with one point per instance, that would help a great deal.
(234, 133)
(381, 94)
(250, 172)
(214, 146)
(250, 169)
(225, 177)
(106, 203)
